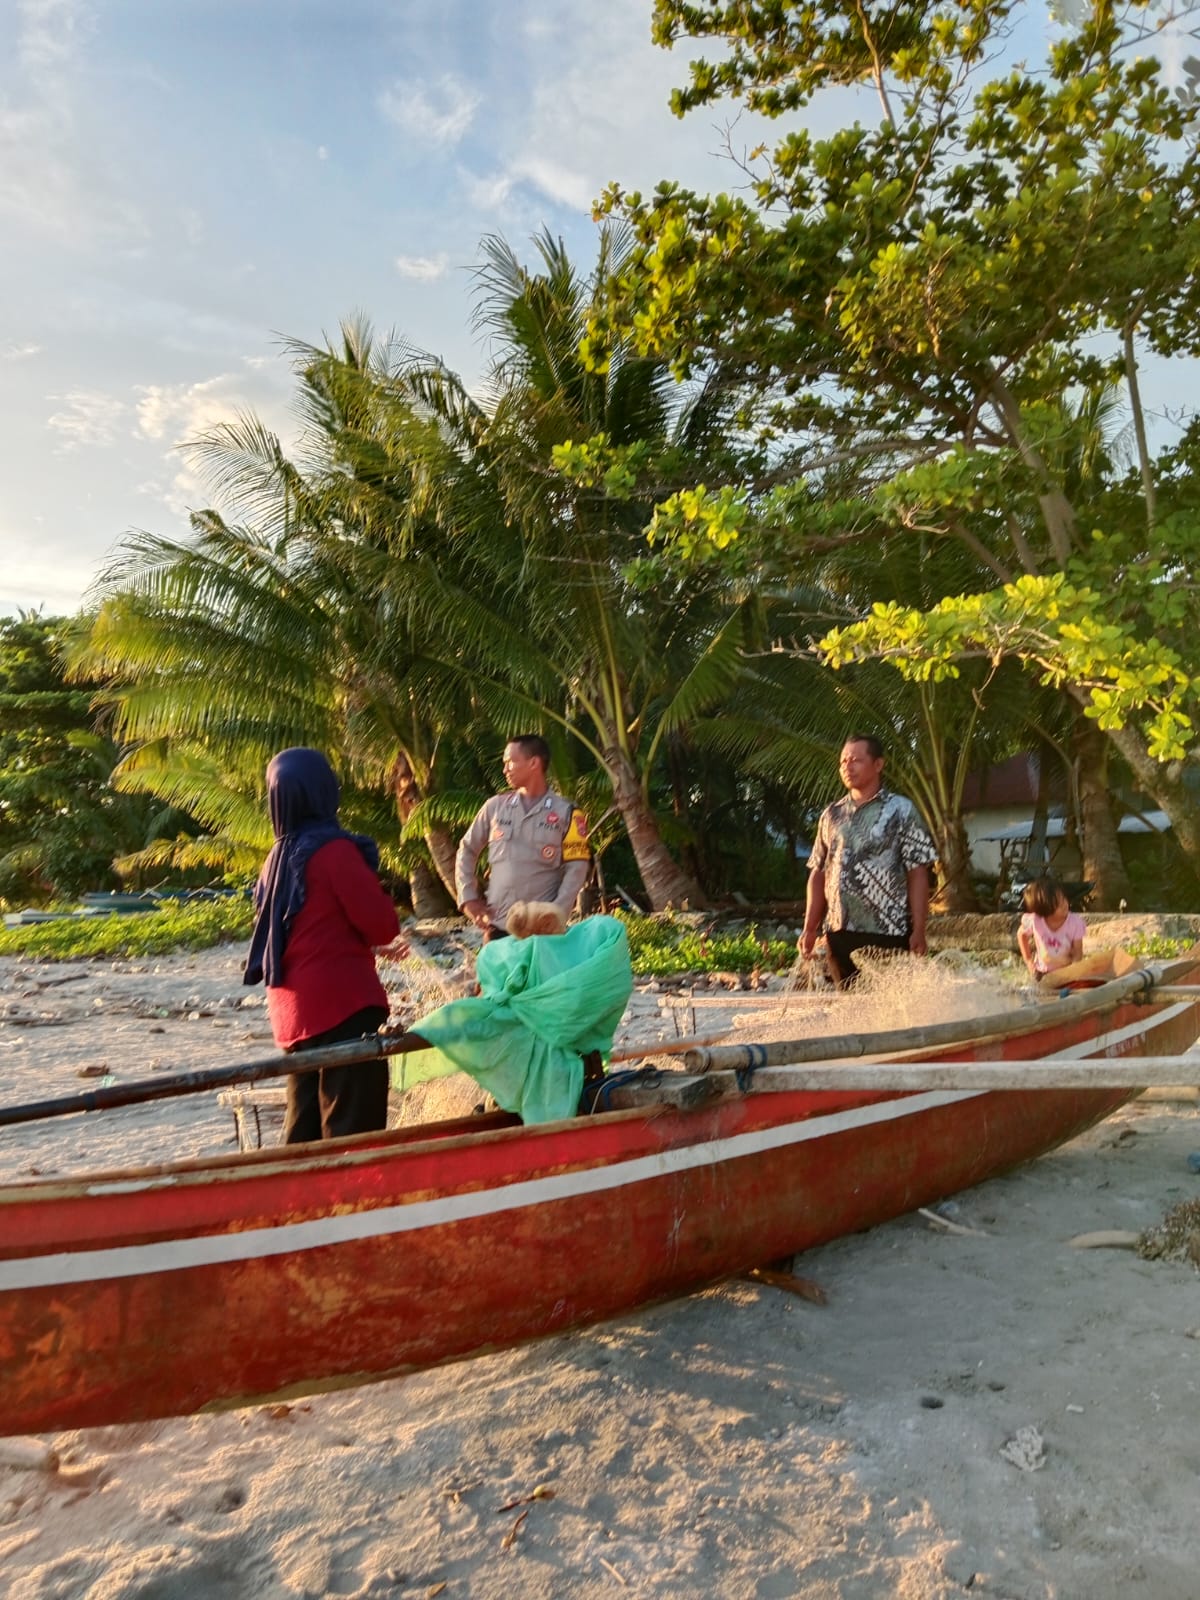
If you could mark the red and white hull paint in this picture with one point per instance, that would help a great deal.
(172, 1290)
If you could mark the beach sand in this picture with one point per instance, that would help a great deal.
(985, 1412)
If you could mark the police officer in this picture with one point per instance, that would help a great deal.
(536, 843)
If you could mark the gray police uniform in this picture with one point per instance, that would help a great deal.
(539, 853)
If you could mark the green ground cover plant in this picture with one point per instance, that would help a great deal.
(1158, 946)
(659, 946)
(662, 945)
(196, 926)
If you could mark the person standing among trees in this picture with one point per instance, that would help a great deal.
(536, 843)
(321, 914)
(868, 874)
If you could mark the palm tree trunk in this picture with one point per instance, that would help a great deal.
(429, 897)
(433, 892)
(1100, 848)
(664, 880)
(442, 851)
(956, 893)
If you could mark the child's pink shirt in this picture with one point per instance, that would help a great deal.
(1053, 944)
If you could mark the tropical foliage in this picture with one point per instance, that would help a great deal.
(422, 582)
(858, 416)
(664, 945)
(921, 295)
(62, 823)
(184, 926)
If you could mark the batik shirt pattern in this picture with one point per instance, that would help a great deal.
(867, 852)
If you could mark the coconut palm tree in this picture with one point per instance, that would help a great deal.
(269, 631)
(420, 580)
(545, 619)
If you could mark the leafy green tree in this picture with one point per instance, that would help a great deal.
(634, 667)
(919, 294)
(62, 824)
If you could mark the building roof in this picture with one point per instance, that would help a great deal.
(1056, 827)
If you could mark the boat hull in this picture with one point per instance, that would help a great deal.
(228, 1282)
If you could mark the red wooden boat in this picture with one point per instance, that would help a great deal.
(226, 1282)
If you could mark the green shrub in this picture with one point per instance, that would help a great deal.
(662, 945)
(194, 926)
(658, 946)
(1157, 946)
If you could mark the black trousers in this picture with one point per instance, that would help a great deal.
(841, 944)
(338, 1100)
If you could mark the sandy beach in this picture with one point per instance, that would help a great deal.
(980, 1407)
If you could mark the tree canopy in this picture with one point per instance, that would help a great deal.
(856, 415)
(62, 824)
(924, 294)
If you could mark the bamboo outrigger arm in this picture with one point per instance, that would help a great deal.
(1000, 1024)
(1044, 1072)
(177, 1083)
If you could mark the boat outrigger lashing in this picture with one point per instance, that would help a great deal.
(230, 1281)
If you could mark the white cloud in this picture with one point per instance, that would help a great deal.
(178, 414)
(51, 33)
(88, 418)
(486, 194)
(322, 152)
(556, 182)
(591, 108)
(185, 410)
(19, 352)
(192, 223)
(52, 178)
(437, 113)
(424, 269)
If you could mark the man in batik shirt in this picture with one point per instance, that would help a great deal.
(868, 874)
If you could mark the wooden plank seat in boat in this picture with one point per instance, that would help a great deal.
(259, 1109)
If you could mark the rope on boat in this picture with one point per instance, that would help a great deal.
(645, 1077)
(756, 1057)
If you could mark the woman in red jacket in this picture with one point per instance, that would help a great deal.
(321, 913)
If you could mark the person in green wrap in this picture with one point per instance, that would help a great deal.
(548, 999)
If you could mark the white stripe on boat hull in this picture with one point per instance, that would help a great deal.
(173, 1255)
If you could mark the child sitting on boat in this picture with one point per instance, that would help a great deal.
(1051, 934)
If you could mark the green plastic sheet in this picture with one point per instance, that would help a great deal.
(545, 1002)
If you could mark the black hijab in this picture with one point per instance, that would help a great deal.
(302, 798)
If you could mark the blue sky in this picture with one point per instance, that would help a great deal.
(184, 182)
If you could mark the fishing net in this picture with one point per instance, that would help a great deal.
(415, 986)
(892, 991)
